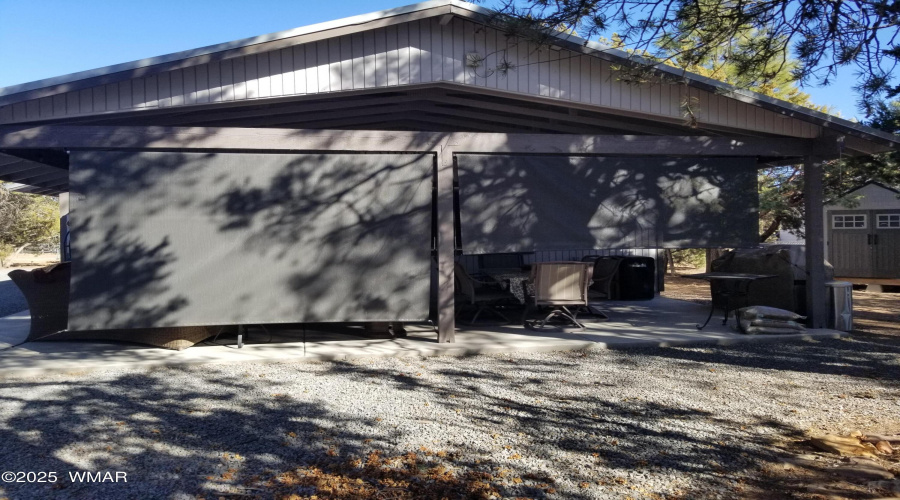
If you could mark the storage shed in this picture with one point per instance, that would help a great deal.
(335, 172)
(864, 232)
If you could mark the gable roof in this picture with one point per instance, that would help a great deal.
(869, 183)
(872, 140)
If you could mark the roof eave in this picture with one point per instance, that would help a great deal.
(70, 82)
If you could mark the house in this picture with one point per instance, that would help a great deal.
(334, 172)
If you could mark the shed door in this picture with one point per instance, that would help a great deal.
(849, 249)
(886, 232)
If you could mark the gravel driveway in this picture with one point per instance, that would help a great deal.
(702, 422)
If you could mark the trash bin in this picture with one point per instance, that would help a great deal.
(840, 305)
(637, 277)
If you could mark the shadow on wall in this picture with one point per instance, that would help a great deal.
(118, 281)
(184, 239)
(523, 203)
(352, 232)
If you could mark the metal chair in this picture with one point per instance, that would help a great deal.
(605, 269)
(482, 295)
(560, 285)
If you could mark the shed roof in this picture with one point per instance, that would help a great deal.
(852, 190)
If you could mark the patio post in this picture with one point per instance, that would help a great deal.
(63, 226)
(813, 199)
(445, 245)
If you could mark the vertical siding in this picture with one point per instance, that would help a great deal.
(416, 52)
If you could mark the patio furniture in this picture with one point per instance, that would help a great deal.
(482, 295)
(787, 262)
(47, 292)
(560, 285)
(604, 274)
(727, 290)
(516, 280)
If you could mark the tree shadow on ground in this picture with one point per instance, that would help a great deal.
(520, 427)
(863, 356)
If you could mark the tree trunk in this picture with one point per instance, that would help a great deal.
(769, 231)
(711, 255)
(670, 260)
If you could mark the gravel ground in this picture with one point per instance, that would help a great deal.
(702, 422)
(11, 299)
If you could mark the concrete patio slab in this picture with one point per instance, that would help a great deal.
(657, 322)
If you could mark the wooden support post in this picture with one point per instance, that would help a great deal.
(813, 198)
(63, 227)
(445, 246)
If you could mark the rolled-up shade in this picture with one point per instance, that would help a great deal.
(183, 239)
(533, 203)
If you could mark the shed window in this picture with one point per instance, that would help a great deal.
(848, 221)
(888, 221)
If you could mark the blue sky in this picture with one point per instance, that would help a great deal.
(46, 38)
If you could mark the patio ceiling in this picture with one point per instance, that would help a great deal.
(36, 171)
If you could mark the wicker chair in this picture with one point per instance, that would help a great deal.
(47, 292)
(560, 285)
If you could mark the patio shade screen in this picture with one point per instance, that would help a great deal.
(534, 203)
(184, 239)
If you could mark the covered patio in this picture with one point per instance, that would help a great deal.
(336, 172)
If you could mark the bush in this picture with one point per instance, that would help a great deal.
(690, 257)
(5, 251)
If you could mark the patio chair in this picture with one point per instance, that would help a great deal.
(482, 295)
(605, 269)
(47, 292)
(560, 285)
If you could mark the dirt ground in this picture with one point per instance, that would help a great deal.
(875, 314)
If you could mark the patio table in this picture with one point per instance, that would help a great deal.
(732, 286)
(516, 278)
